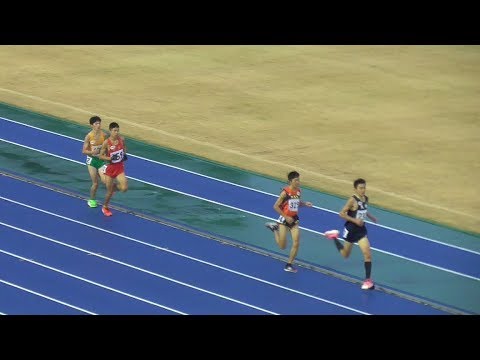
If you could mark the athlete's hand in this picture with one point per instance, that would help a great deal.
(308, 203)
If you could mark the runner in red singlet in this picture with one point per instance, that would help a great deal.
(114, 151)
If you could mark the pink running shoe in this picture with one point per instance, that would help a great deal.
(106, 211)
(368, 285)
(332, 234)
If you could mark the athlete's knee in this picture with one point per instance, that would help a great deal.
(367, 256)
(295, 244)
(346, 251)
(122, 187)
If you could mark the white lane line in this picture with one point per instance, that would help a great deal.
(139, 269)
(47, 297)
(186, 256)
(229, 183)
(89, 281)
(253, 157)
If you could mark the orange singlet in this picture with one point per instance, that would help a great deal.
(291, 203)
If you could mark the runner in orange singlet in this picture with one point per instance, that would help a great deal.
(287, 206)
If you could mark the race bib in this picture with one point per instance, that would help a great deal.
(293, 204)
(96, 149)
(361, 214)
(116, 156)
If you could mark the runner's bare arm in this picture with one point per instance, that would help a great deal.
(103, 152)
(86, 145)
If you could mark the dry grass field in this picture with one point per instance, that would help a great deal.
(406, 118)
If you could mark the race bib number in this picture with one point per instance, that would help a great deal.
(96, 149)
(293, 204)
(116, 156)
(89, 160)
(362, 214)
